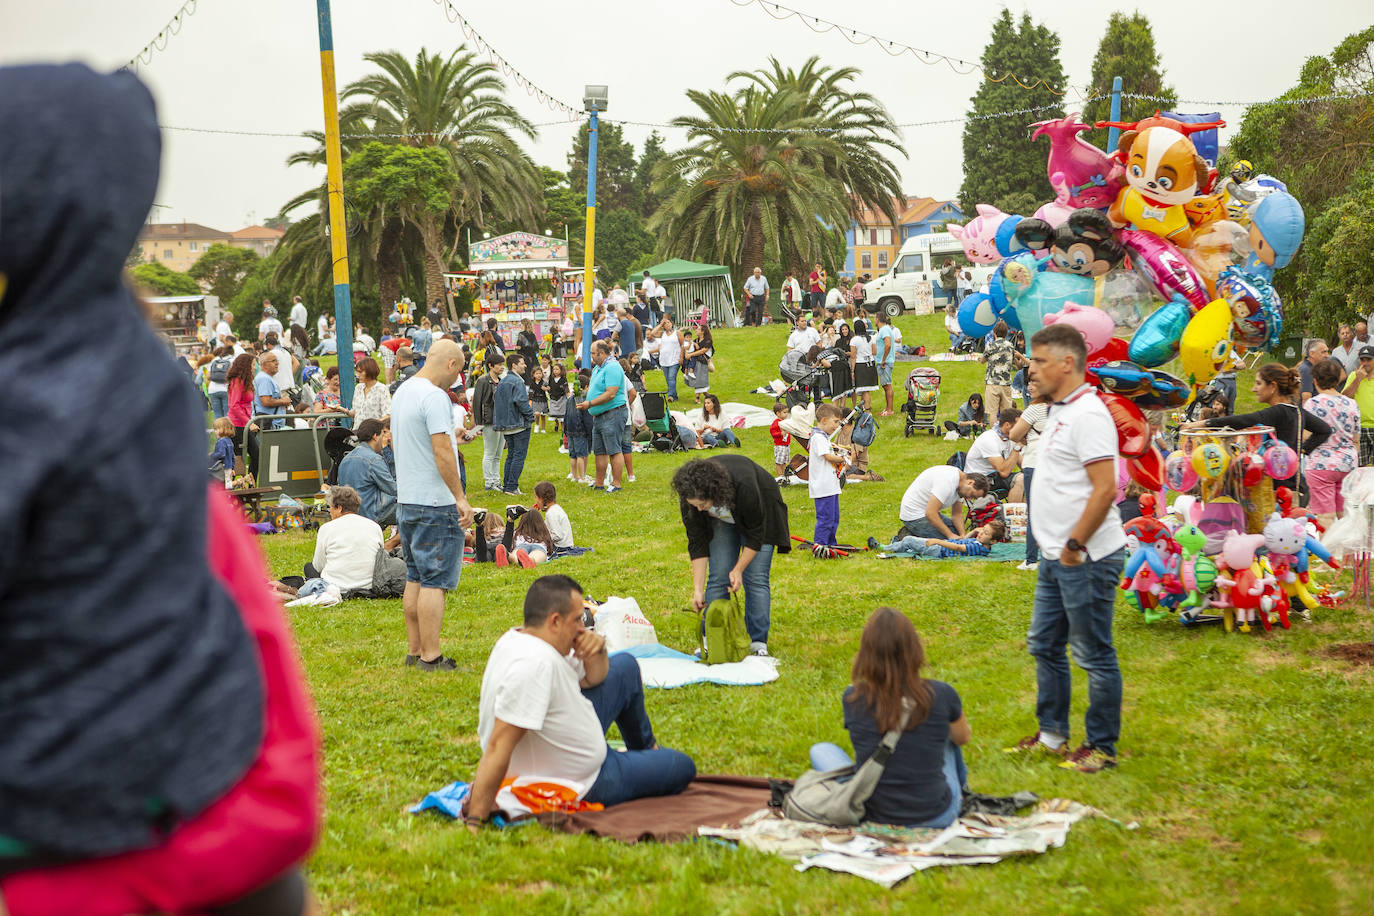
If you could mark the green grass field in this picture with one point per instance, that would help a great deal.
(1246, 760)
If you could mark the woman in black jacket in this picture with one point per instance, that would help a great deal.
(735, 519)
(1276, 386)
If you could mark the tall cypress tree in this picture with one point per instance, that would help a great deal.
(1002, 166)
(1128, 50)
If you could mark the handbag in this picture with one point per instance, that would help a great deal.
(837, 797)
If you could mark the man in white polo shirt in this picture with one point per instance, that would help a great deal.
(931, 494)
(1082, 551)
(756, 288)
(997, 458)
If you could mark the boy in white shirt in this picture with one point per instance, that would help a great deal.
(823, 477)
(546, 501)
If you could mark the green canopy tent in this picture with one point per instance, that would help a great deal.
(686, 281)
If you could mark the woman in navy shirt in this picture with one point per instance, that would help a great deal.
(923, 783)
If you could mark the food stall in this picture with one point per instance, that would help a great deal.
(186, 321)
(517, 276)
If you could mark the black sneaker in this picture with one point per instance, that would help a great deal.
(442, 663)
(514, 512)
(478, 517)
(412, 660)
(873, 544)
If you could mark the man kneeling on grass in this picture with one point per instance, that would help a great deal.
(549, 693)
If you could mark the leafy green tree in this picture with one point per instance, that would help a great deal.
(750, 182)
(1128, 50)
(222, 269)
(999, 157)
(1336, 282)
(161, 280)
(617, 187)
(654, 153)
(621, 241)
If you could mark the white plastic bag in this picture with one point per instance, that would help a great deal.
(620, 622)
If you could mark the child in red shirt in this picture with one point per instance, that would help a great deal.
(781, 440)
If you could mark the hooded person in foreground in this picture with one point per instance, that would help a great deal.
(159, 750)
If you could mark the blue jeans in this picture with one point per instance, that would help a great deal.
(1032, 548)
(219, 403)
(924, 528)
(758, 596)
(914, 546)
(724, 438)
(432, 542)
(826, 756)
(637, 772)
(670, 376)
(1073, 606)
(687, 435)
(517, 446)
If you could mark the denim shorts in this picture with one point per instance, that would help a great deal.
(606, 429)
(432, 541)
(884, 374)
(627, 440)
(579, 446)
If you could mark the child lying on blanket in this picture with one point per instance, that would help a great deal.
(979, 545)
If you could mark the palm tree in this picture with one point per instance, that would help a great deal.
(749, 177)
(456, 103)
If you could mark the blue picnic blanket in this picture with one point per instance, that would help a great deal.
(1002, 553)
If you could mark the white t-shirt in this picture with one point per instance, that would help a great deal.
(863, 349)
(834, 298)
(420, 410)
(560, 526)
(822, 478)
(321, 326)
(1079, 432)
(298, 316)
(268, 325)
(804, 339)
(669, 349)
(987, 445)
(597, 296)
(650, 287)
(1035, 416)
(346, 550)
(529, 685)
(222, 330)
(284, 377)
(940, 481)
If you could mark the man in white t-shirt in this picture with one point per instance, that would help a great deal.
(934, 491)
(298, 316)
(756, 288)
(287, 364)
(997, 458)
(654, 294)
(223, 328)
(432, 508)
(803, 336)
(269, 323)
(549, 692)
(347, 545)
(1082, 551)
(321, 327)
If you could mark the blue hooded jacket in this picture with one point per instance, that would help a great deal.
(130, 694)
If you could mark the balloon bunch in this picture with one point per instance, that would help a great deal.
(1191, 562)
(1147, 253)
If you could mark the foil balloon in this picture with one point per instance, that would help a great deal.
(1096, 326)
(1205, 346)
(1147, 469)
(1081, 174)
(1166, 392)
(1114, 350)
(1124, 378)
(1221, 245)
(977, 315)
(1057, 211)
(1276, 227)
(1160, 261)
(1128, 298)
(1280, 461)
(1156, 340)
(1179, 473)
(1210, 460)
(1256, 310)
(1045, 292)
(1252, 469)
(1132, 429)
(979, 235)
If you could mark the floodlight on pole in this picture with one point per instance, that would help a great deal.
(593, 101)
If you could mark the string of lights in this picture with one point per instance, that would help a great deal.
(160, 40)
(531, 88)
(893, 48)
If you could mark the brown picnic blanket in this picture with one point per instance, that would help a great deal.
(708, 801)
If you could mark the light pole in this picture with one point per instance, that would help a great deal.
(338, 236)
(593, 101)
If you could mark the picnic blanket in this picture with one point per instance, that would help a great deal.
(667, 668)
(887, 855)
(1010, 552)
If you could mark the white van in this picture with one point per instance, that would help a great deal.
(915, 277)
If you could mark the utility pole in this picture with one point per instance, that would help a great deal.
(593, 100)
(338, 234)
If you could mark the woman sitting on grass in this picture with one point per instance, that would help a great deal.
(923, 782)
(973, 418)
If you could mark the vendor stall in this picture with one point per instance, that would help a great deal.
(687, 281)
(186, 321)
(517, 276)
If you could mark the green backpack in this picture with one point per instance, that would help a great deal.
(724, 637)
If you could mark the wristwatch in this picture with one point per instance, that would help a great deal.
(1075, 546)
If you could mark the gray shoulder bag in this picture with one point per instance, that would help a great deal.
(837, 797)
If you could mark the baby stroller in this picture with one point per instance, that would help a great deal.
(660, 423)
(805, 381)
(922, 400)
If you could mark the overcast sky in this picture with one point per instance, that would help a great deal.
(253, 65)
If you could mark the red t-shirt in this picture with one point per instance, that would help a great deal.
(779, 437)
(815, 280)
(395, 343)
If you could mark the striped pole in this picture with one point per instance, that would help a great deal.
(338, 233)
(1114, 132)
(588, 265)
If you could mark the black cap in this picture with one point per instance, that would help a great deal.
(1366, 352)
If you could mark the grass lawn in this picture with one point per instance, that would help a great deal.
(1246, 760)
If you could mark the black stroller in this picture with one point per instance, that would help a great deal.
(660, 423)
(807, 382)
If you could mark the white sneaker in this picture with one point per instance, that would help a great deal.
(569, 475)
(630, 478)
(1023, 565)
(587, 480)
(563, 450)
(758, 648)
